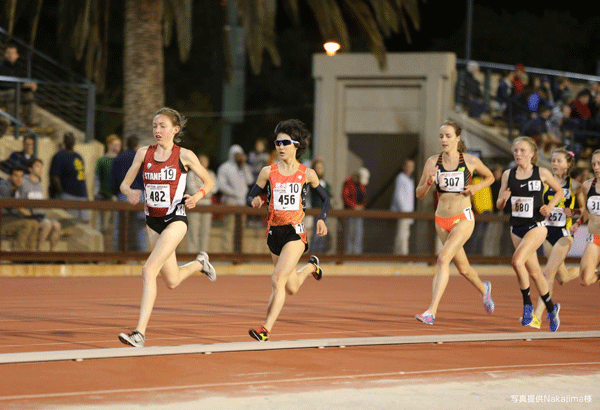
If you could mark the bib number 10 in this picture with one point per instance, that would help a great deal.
(287, 197)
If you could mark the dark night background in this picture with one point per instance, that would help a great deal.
(542, 36)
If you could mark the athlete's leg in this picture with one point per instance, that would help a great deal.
(524, 248)
(588, 264)
(465, 269)
(163, 247)
(284, 266)
(556, 256)
(453, 243)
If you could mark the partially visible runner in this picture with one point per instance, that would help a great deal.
(164, 167)
(286, 182)
(559, 220)
(454, 222)
(588, 273)
(524, 186)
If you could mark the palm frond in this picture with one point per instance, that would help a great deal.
(182, 11)
(364, 17)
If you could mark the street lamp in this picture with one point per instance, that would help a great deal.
(331, 47)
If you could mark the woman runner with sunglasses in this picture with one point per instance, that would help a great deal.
(286, 182)
(451, 170)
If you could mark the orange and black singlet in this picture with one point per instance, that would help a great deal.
(286, 197)
(453, 181)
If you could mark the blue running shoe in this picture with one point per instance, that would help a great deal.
(426, 317)
(488, 302)
(527, 315)
(554, 319)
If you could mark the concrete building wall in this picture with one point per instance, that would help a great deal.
(387, 108)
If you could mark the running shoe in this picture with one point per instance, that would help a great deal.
(554, 319)
(207, 267)
(488, 302)
(426, 317)
(262, 334)
(135, 339)
(527, 315)
(318, 273)
(535, 323)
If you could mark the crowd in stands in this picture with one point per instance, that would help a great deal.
(554, 111)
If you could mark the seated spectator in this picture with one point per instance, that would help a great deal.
(538, 127)
(562, 90)
(18, 221)
(471, 92)
(580, 107)
(67, 177)
(19, 158)
(32, 189)
(504, 92)
(12, 66)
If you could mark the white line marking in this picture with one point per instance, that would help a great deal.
(292, 380)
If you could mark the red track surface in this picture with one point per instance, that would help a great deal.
(46, 314)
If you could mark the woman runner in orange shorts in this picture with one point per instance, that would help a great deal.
(588, 273)
(287, 182)
(454, 222)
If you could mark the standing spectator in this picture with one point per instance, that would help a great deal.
(137, 237)
(354, 195)
(199, 223)
(67, 177)
(18, 221)
(233, 178)
(258, 158)
(102, 187)
(13, 67)
(520, 80)
(319, 244)
(403, 200)
(482, 205)
(19, 159)
(32, 189)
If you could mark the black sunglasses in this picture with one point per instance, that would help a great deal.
(279, 143)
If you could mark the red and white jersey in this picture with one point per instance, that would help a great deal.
(164, 183)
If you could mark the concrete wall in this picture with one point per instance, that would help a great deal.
(353, 97)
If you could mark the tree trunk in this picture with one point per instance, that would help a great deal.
(143, 71)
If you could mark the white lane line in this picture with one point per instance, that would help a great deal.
(109, 353)
(482, 369)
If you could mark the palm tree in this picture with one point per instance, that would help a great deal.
(149, 25)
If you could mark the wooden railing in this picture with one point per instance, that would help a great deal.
(426, 238)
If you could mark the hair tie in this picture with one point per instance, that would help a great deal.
(572, 154)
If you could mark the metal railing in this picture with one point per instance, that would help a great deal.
(380, 228)
(61, 92)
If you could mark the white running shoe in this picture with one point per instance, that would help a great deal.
(207, 267)
(135, 339)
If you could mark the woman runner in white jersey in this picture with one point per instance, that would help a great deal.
(523, 185)
(588, 272)
(164, 167)
(454, 222)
